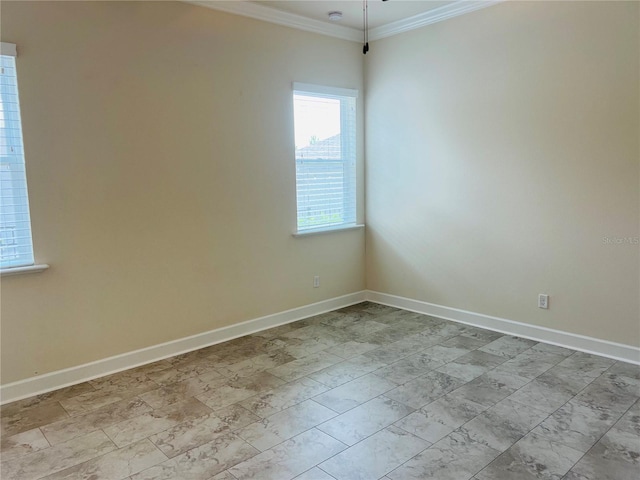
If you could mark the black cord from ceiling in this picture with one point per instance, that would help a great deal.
(365, 22)
(365, 26)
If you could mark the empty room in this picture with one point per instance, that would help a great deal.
(320, 240)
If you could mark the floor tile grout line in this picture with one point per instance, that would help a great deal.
(553, 413)
(290, 382)
(320, 468)
(573, 397)
(257, 353)
(500, 453)
(286, 440)
(45, 437)
(417, 454)
(336, 387)
(300, 433)
(601, 436)
(431, 444)
(80, 463)
(377, 431)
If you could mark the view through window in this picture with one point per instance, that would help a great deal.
(325, 152)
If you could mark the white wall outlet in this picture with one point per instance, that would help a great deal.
(316, 281)
(543, 301)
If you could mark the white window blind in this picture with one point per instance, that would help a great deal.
(325, 154)
(16, 248)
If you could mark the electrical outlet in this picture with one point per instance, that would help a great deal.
(543, 301)
(316, 281)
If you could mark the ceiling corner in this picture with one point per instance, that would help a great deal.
(267, 14)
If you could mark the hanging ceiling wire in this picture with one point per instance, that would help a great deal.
(365, 28)
(365, 25)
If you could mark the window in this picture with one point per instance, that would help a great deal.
(16, 249)
(325, 146)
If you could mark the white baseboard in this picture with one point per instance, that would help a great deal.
(617, 351)
(82, 373)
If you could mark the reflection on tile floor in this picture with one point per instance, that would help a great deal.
(365, 392)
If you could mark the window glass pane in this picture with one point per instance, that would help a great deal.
(317, 120)
(325, 160)
(15, 226)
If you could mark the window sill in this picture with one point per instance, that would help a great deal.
(23, 270)
(320, 231)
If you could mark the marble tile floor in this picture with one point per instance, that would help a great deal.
(362, 393)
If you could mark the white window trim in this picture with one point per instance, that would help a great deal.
(11, 50)
(336, 92)
(323, 90)
(7, 272)
(8, 49)
(322, 230)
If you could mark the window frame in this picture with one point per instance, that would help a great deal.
(28, 265)
(349, 158)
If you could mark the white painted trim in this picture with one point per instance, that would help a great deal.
(605, 348)
(20, 270)
(439, 14)
(323, 230)
(324, 90)
(279, 17)
(8, 49)
(82, 373)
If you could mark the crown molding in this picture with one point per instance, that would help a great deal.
(279, 17)
(272, 15)
(439, 14)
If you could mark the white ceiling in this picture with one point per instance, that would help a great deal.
(380, 13)
(385, 18)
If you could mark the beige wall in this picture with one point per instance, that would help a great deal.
(502, 146)
(159, 151)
